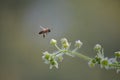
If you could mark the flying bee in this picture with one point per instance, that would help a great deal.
(44, 31)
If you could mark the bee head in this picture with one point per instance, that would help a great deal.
(49, 30)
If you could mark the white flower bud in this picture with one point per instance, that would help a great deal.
(65, 43)
(117, 54)
(46, 57)
(53, 42)
(78, 43)
(91, 63)
(53, 63)
(97, 47)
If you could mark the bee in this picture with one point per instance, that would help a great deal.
(44, 31)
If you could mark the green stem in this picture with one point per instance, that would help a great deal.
(81, 56)
(115, 65)
(57, 47)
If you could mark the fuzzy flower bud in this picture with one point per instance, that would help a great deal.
(78, 43)
(59, 57)
(50, 59)
(65, 43)
(117, 54)
(97, 47)
(46, 57)
(53, 42)
(91, 63)
(53, 63)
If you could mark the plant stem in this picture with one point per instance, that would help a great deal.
(81, 56)
(57, 47)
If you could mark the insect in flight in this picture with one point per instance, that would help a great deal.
(44, 31)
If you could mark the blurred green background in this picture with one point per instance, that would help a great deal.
(91, 21)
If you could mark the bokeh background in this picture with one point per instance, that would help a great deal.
(21, 47)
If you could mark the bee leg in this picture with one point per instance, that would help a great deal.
(43, 35)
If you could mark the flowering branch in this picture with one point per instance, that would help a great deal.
(99, 59)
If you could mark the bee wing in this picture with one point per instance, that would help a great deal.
(42, 27)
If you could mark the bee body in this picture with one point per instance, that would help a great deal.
(44, 31)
